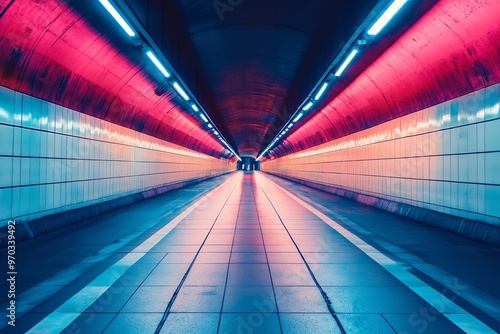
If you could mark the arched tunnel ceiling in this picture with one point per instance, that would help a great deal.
(71, 54)
(454, 49)
(252, 54)
(249, 63)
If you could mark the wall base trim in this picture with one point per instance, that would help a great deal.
(37, 227)
(476, 230)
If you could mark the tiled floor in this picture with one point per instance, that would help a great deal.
(247, 259)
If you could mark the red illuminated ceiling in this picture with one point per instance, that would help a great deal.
(257, 58)
(453, 50)
(250, 68)
(47, 50)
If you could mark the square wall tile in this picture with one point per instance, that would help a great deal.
(472, 200)
(492, 102)
(469, 105)
(16, 201)
(32, 112)
(44, 116)
(34, 171)
(473, 138)
(463, 167)
(491, 166)
(5, 205)
(492, 135)
(454, 195)
(492, 200)
(35, 139)
(6, 138)
(25, 171)
(26, 142)
(7, 105)
(6, 170)
(18, 109)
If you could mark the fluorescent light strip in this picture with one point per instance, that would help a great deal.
(109, 7)
(181, 91)
(307, 106)
(121, 21)
(299, 116)
(346, 62)
(386, 17)
(375, 29)
(157, 63)
(321, 91)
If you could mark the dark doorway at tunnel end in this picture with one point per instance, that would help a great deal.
(248, 164)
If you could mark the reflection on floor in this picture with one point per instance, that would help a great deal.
(240, 254)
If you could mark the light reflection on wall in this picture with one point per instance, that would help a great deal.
(443, 158)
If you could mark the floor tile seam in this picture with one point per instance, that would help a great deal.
(269, 270)
(227, 270)
(318, 286)
(174, 296)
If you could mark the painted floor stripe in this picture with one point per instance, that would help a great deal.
(35, 295)
(449, 309)
(43, 290)
(480, 299)
(68, 312)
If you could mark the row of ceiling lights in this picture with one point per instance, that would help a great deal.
(178, 88)
(379, 24)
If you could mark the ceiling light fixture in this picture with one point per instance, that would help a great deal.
(299, 116)
(321, 91)
(157, 63)
(121, 21)
(181, 91)
(307, 106)
(346, 62)
(143, 38)
(386, 17)
(357, 42)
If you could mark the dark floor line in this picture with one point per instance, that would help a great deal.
(323, 293)
(177, 290)
(228, 264)
(130, 297)
(388, 323)
(375, 241)
(269, 269)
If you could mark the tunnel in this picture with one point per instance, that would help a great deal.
(250, 166)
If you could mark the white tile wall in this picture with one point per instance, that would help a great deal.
(444, 158)
(54, 159)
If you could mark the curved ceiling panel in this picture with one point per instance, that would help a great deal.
(451, 51)
(250, 83)
(73, 54)
(254, 54)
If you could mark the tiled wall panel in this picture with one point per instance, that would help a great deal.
(54, 159)
(445, 158)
